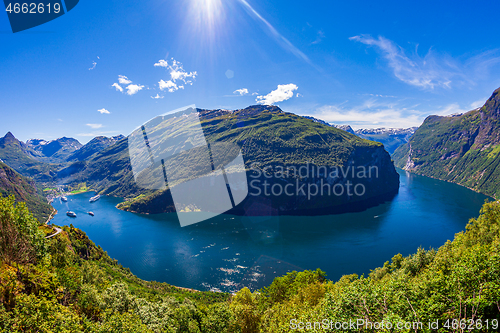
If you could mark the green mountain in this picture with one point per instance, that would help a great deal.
(24, 190)
(463, 148)
(269, 139)
(14, 153)
(108, 172)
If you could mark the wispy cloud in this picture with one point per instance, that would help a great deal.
(282, 93)
(241, 92)
(319, 37)
(94, 126)
(97, 133)
(117, 86)
(94, 63)
(285, 43)
(177, 73)
(433, 70)
(363, 116)
(374, 113)
(478, 103)
(157, 96)
(104, 111)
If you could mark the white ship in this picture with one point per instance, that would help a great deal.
(93, 199)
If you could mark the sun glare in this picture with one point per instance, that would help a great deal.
(207, 13)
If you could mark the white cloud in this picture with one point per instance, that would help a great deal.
(123, 79)
(133, 89)
(284, 92)
(449, 109)
(94, 126)
(98, 133)
(243, 91)
(432, 70)
(161, 63)
(169, 85)
(157, 96)
(376, 112)
(177, 73)
(478, 103)
(104, 111)
(93, 65)
(359, 117)
(117, 86)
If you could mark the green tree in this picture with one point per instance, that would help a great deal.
(20, 239)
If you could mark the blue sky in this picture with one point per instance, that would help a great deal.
(348, 62)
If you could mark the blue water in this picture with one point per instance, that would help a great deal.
(228, 252)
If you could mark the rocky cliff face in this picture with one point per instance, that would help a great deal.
(464, 149)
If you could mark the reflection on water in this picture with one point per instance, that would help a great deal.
(228, 252)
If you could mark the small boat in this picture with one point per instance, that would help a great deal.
(91, 213)
(94, 199)
(71, 214)
(64, 199)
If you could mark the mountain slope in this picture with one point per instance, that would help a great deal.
(271, 138)
(55, 151)
(13, 153)
(464, 149)
(108, 172)
(94, 146)
(12, 183)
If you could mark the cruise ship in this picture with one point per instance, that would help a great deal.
(93, 199)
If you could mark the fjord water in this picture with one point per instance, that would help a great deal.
(228, 252)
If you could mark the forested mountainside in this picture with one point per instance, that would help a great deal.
(24, 190)
(464, 149)
(269, 138)
(13, 153)
(94, 146)
(67, 284)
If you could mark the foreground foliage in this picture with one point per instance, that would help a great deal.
(71, 285)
